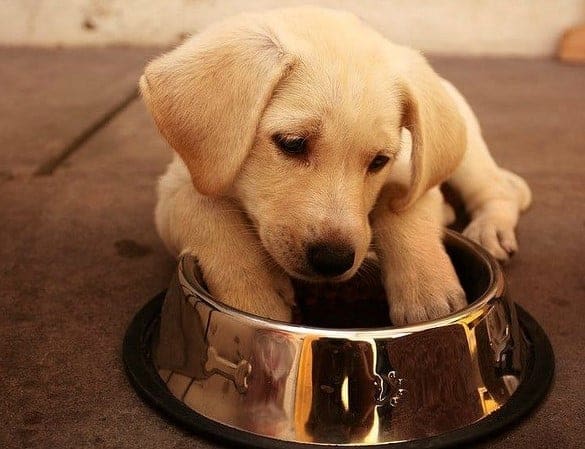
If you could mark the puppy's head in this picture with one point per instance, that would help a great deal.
(299, 114)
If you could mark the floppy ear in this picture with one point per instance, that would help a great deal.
(438, 131)
(207, 96)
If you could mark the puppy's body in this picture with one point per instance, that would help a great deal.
(303, 138)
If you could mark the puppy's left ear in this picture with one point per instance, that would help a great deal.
(207, 96)
(438, 131)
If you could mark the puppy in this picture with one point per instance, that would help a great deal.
(303, 138)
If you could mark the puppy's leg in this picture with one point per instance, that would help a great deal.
(235, 266)
(418, 275)
(494, 197)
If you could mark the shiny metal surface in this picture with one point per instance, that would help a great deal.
(343, 386)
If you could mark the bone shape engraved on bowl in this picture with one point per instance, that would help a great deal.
(237, 373)
(389, 389)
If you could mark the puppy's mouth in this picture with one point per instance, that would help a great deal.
(308, 276)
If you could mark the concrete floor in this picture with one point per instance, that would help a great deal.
(79, 254)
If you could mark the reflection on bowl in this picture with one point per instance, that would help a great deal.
(328, 382)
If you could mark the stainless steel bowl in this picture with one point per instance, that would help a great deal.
(270, 384)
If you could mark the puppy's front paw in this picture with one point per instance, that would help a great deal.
(261, 292)
(423, 293)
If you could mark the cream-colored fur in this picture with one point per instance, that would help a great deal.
(248, 211)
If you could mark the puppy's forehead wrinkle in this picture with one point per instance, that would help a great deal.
(270, 41)
(352, 105)
(293, 123)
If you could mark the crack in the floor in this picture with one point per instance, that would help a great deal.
(48, 167)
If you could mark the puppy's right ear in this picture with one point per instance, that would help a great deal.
(207, 96)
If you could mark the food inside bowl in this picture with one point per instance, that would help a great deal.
(361, 301)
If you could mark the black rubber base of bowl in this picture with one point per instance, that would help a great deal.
(146, 381)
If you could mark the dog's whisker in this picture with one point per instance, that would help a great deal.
(243, 230)
(369, 273)
(269, 263)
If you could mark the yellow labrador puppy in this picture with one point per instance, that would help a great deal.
(303, 138)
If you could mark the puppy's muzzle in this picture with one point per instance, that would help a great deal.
(330, 260)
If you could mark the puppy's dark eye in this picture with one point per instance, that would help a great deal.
(293, 146)
(378, 163)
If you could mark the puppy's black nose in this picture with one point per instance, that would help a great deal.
(330, 259)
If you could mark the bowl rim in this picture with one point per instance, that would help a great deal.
(476, 309)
